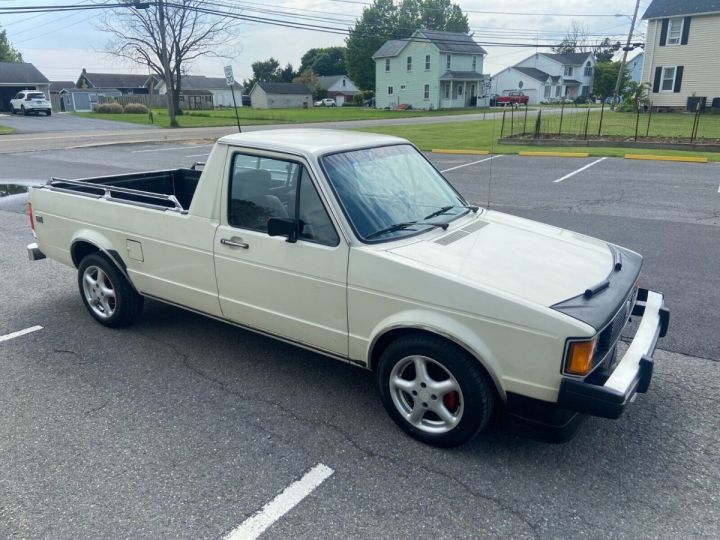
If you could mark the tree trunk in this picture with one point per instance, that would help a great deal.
(178, 90)
(166, 65)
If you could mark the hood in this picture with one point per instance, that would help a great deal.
(536, 262)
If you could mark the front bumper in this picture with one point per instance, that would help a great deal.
(34, 253)
(609, 397)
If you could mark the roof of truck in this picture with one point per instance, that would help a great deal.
(309, 141)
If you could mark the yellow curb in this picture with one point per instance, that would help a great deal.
(471, 152)
(555, 154)
(650, 157)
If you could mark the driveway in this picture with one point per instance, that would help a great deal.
(63, 122)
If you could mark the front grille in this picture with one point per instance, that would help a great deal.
(611, 333)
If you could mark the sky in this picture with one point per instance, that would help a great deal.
(60, 45)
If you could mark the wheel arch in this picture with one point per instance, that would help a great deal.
(83, 245)
(389, 334)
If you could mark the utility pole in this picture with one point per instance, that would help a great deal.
(624, 57)
(165, 61)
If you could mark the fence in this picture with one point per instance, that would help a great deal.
(145, 99)
(601, 123)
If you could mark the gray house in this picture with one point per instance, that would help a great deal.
(429, 70)
(279, 95)
(17, 76)
(126, 83)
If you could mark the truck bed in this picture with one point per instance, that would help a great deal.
(171, 189)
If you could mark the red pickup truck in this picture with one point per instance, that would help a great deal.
(512, 98)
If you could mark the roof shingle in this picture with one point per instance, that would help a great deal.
(673, 8)
(533, 72)
(21, 73)
(284, 88)
(573, 59)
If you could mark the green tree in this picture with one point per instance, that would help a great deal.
(385, 20)
(286, 74)
(7, 52)
(324, 61)
(266, 70)
(605, 50)
(606, 74)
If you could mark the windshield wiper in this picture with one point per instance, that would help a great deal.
(445, 209)
(405, 225)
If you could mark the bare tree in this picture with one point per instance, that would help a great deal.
(166, 36)
(575, 40)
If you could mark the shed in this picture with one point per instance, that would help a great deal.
(83, 100)
(17, 76)
(278, 95)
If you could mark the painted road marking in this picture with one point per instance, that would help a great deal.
(19, 333)
(471, 163)
(170, 149)
(581, 169)
(259, 522)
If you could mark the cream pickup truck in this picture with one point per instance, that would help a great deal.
(354, 246)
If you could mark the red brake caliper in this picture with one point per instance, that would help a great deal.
(451, 401)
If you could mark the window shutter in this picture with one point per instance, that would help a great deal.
(678, 78)
(663, 32)
(656, 83)
(686, 31)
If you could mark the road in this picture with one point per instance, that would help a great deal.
(185, 427)
(63, 123)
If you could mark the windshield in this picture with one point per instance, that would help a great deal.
(36, 96)
(391, 191)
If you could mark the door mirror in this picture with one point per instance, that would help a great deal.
(282, 227)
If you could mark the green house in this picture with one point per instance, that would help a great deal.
(429, 70)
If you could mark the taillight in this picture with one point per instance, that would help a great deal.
(30, 215)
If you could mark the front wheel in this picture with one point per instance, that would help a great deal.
(106, 293)
(435, 391)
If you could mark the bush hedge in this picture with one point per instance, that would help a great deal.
(109, 108)
(136, 108)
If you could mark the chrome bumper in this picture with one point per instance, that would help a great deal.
(34, 253)
(632, 374)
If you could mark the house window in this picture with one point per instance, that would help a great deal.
(387, 64)
(558, 90)
(474, 63)
(447, 61)
(391, 90)
(675, 27)
(447, 90)
(668, 79)
(343, 82)
(427, 62)
(409, 63)
(588, 69)
(426, 91)
(568, 71)
(547, 91)
(585, 92)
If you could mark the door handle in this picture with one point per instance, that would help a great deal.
(234, 243)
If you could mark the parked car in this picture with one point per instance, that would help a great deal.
(370, 102)
(30, 101)
(354, 246)
(512, 99)
(325, 102)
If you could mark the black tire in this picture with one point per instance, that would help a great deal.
(24, 110)
(126, 306)
(48, 112)
(474, 402)
(12, 110)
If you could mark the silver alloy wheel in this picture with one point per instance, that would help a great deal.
(426, 394)
(99, 292)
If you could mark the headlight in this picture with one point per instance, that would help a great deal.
(579, 357)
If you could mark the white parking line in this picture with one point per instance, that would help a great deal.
(471, 163)
(198, 155)
(256, 524)
(581, 169)
(170, 149)
(19, 333)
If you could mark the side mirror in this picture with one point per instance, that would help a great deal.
(282, 227)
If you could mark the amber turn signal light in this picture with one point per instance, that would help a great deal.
(579, 357)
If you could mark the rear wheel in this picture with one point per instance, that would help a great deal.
(23, 110)
(106, 293)
(435, 391)
(48, 112)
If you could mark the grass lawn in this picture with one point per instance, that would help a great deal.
(4, 130)
(248, 116)
(483, 135)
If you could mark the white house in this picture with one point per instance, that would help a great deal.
(549, 77)
(339, 87)
(280, 95)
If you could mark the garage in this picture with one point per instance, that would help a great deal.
(17, 76)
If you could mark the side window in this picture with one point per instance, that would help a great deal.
(315, 224)
(261, 188)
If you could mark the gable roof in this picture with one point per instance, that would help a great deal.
(21, 73)
(535, 73)
(448, 42)
(56, 86)
(326, 81)
(201, 82)
(116, 80)
(283, 88)
(673, 8)
(573, 59)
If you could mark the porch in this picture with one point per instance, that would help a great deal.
(459, 89)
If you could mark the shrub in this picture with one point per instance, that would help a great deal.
(358, 100)
(581, 100)
(136, 108)
(109, 108)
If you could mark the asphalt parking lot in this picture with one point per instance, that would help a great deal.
(39, 123)
(181, 426)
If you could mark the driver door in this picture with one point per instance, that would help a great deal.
(294, 290)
